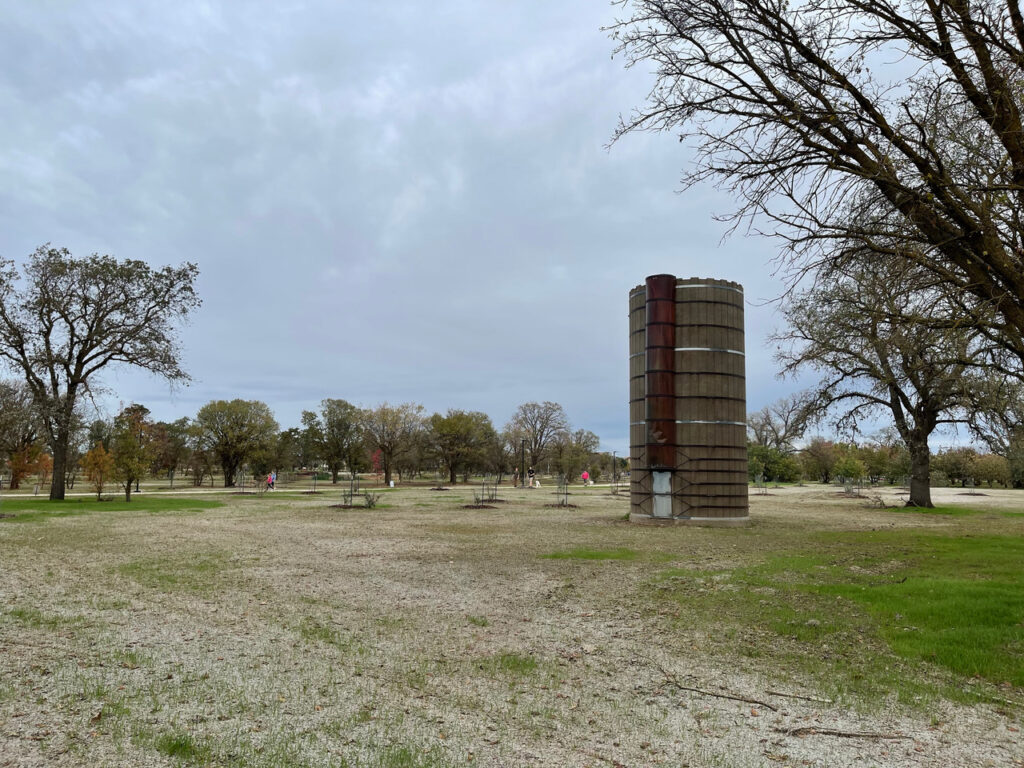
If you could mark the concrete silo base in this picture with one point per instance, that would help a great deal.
(706, 522)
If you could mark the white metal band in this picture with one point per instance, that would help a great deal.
(693, 285)
(709, 285)
(678, 421)
(696, 421)
(710, 349)
(697, 349)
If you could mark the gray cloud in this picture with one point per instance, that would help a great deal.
(400, 201)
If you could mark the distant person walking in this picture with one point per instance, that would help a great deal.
(586, 477)
(531, 476)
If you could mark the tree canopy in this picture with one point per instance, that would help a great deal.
(66, 319)
(235, 431)
(392, 429)
(860, 329)
(540, 425)
(894, 126)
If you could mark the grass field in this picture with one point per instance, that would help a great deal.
(278, 630)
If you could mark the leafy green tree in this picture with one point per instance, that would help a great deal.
(876, 458)
(957, 464)
(990, 468)
(849, 468)
(337, 433)
(819, 458)
(1015, 459)
(130, 447)
(392, 430)
(772, 463)
(170, 447)
(460, 439)
(68, 319)
(234, 431)
(289, 453)
(572, 451)
(200, 460)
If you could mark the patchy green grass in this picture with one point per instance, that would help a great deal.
(183, 748)
(28, 509)
(512, 663)
(36, 619)
(315, 630)
(957, 511)
(878, 601)
(585, 553)
(478, 621)
(202, 573)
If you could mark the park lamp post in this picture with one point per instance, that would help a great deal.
(522, 462)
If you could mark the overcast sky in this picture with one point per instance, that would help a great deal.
(397, 201)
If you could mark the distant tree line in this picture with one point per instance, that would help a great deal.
(239, 439)
(63, 320)
(780, 450)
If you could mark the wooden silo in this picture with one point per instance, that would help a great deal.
(688, 454)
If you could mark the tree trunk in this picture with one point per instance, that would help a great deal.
(60, 461)
(452, 480)
(128, 491)
(920, 475)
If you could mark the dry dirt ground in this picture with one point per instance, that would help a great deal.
(279, 631)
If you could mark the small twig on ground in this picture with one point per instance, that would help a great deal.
(608, 760)
(670, 678)
(813, 730)
(797, 696)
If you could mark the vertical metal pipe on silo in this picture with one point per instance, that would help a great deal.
(661, 390)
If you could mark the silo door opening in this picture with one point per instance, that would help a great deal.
(662, 493)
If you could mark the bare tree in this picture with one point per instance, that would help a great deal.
(70, 318)
(539, 424)
(880, 122)
(853, 327)
(780, 424)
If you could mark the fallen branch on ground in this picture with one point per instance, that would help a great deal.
(813, 730)
(670, 678)
(797, 696)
